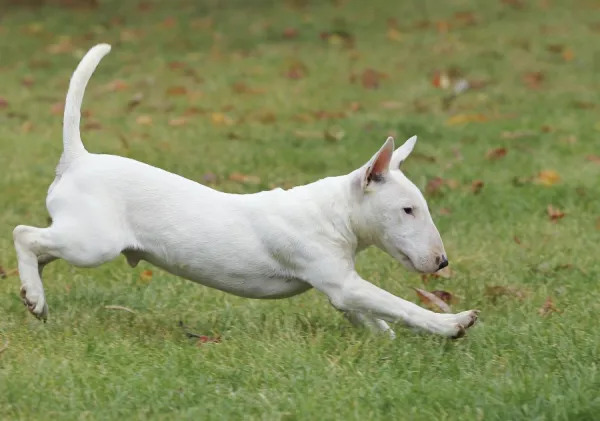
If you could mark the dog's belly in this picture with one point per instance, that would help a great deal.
(247, 285)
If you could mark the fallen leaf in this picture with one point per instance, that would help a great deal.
(290, 33)
(440, 80)
(465, 18)
(2, 273)
(394, 34)
(533, 79)
(445, 296)
(442, 26)
(176, 91)
(370, 79)
(547, 178)
(497, 153)
(117, 85)
(266, 117)
(465, 118)
(583, 105)
(444, 211)
(355, 106)
(26, 127)
(135, 101)
(548, 307)
(221, 119)
(432, 301)
(169, 22)
(27, 81)
(146, 276)
(554, 213)
(434, 185)
(242, 88)
(334, 134)
(296, 70)
(177, 121)
(593, 158)
(517, 240)
(494, 292)
(476, 186)
(3, 103)
(203, 339)
(57, 108)
(175, 65)
(244, 178)
(92, 125)
(568, 55)
(517, 134)
(144, 120)
(62, 46)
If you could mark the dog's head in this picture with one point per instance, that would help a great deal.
(392, 212)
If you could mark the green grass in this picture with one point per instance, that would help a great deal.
(298, 359)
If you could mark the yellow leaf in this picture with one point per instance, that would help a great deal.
(547, 177)
(146, 276)
(144, 120)
(465, 118)
(394, 34)
(220, 119)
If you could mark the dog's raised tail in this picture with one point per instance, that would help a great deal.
(73, 146)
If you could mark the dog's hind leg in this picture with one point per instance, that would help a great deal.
(36, 247)
(376, 325)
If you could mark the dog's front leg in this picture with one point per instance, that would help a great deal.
(353, 294)
(373, 324)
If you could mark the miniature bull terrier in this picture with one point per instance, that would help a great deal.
(271, 244)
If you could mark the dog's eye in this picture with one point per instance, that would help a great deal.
(408, 211)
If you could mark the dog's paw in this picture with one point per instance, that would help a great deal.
(35, 302)
(456, 325)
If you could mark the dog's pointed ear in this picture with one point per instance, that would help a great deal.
(402, 153)
(379, 163)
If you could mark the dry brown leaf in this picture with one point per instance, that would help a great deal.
(355, 106)
(290, 33)
(28, 81)
(497, 153)
(92, 125)
(244, 178)
(547, 178)
(548, 307)
(2, 273)
(370, 78)
(593, 158)
(466, 118)
(568, 55)
(476, 186)
(266, 117)
(533, 80)
(494, 292)
(135, 101)
(57, 108)
(517, 240)
(146, 276)
(117, 85)
(169, 22)
(296, 70)
(583, 105)
(144, 120)
(445, 296)
(177, 121)
(554, 213)
(434, 185)
(242, 88)
(176, 91)
(444, 211)
(203, 339)
(26, 127)
(432, 301)
(394, 34)
(3, 103)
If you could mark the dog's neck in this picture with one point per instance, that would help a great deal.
(338, 201)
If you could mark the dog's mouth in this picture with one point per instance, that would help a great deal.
(405, 260)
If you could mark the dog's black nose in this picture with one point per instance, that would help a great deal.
(444, 263)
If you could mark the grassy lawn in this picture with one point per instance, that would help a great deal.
(249, 97)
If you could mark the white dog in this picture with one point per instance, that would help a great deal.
(272, 244)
